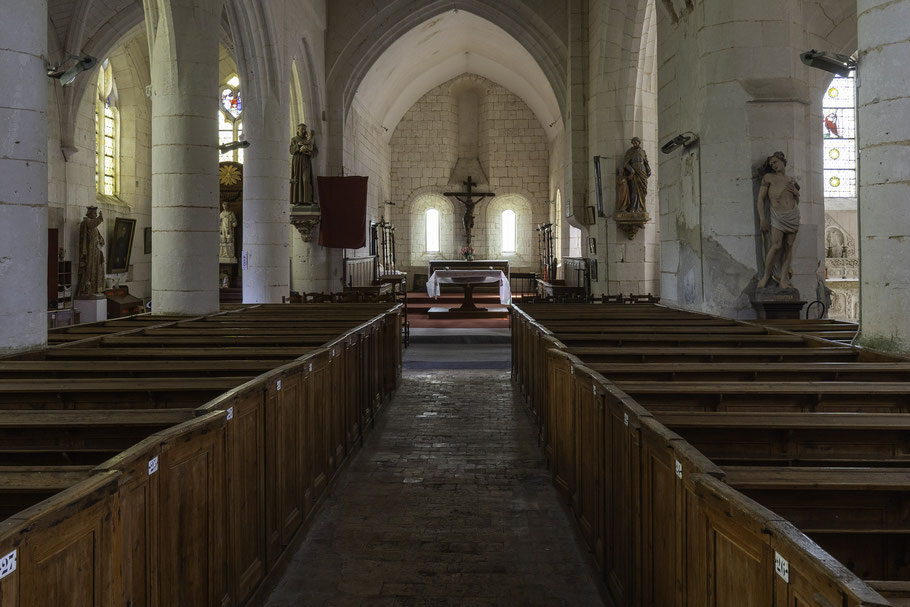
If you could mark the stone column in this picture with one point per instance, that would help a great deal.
(266, 206)
(23, 176)
(183, 41)
(884, 173)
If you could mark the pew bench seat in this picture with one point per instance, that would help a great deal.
(806, 371)
(227, 352)
(593, 354)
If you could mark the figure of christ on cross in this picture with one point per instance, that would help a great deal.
(467, 199)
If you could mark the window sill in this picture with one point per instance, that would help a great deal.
(111, 201)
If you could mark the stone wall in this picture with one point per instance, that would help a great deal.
(513, 151)
(730, 73)
(71, 172)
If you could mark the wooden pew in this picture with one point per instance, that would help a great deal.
(843, 396)
(845, 439)
(682, 386)
(859, 515)
(752, 371)
(194, 486)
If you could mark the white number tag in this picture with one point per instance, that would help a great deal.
(782, 567)
(278, 385)
(625, 418)
(230, 413)
(678, 469)
(153, 465)
(7, 564)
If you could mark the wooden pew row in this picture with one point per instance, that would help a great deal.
(844, 439)
(31, 369)
(858, 515)
(660, 340)
(770, 397)
(725, 580)
(594, 354)
(365, 362)
(754, 371)
(663, 523)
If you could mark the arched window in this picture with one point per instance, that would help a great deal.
(574, 241)
(508, 231)
(432, 220)
(230, 123)
(839, 127)
(107, 133)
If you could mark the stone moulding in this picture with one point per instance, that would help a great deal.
(305, 218)
(631, 223)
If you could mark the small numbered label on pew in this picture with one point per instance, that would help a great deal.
(625, 418)
(230, 413)
(678, 469)
(153, 465)
(7, 564)
(782, 567)
(311, 367)
(278, 385)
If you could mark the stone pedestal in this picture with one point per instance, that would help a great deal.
(91, 309)
(775, 303)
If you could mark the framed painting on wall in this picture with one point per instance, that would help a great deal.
(118, 253)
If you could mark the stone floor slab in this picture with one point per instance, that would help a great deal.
(448, 503)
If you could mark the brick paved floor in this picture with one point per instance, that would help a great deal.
(448, 503)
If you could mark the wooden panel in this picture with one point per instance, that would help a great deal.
(588, 498)
(192, 525)
(289, 476)
(246, 492)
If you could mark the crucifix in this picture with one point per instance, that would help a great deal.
(467, 199)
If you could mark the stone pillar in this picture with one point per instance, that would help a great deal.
(266, 203)
(183, 42)
(23, 176)
(884, 173)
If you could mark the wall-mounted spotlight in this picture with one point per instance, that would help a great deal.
(686, 139)
(841, 65)
(66, 75)
(233, 145)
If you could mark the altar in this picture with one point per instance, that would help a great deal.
(468, 280)
(463, 264)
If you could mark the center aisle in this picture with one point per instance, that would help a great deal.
(448, 503)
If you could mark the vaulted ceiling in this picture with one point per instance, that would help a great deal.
(447, 46)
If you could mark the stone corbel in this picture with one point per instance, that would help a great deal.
(631, 223)
(305, 218)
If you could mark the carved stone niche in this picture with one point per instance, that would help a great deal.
(631, 223)
(305, 218)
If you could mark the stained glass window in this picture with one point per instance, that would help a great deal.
(107, 135)
(839, 128)
(230, 125)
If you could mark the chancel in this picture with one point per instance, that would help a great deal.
(325, 302)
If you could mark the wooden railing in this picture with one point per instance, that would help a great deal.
(360, 271)
(199, 514)
(665, 528)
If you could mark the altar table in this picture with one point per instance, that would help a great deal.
(468, 279)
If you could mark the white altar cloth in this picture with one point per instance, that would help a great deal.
(445, 277)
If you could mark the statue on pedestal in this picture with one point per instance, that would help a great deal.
(782, 193)
(91, 254)
(637, 171)
(228, 221)
(303, 148)
(632, 190)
